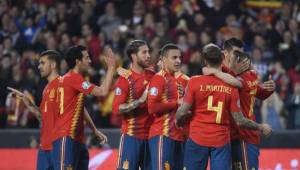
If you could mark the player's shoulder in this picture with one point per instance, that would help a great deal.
(159, 76)
(161, 73)
(55, 82)
(126, 74)
(185, 77)
(71, 76)
(250, 74)
(122, 81)
(197, 77)
(181, 75)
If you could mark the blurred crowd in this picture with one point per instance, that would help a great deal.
(270, 31)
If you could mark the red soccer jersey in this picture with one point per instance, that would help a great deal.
(49, 113)
(127, 89)
(72, 89)
(251, 89)
(162, 104)
(213, 101)
(182, 81)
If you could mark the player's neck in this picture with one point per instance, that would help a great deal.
(138, 69)
(76, 69)
(53, 75)
(226, 64)
(169, 71)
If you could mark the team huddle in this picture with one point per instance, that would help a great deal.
(173, 122)
(169, 121)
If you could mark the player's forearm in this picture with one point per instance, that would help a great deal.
(243, 122)
(89, 120)
(179, 117)
(263, 94)
(181, 113)
(106, 84)
(128, 107)
(229, 79)
(33, 109)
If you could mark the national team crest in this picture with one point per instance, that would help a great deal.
(52, 94)
(86, 85)
(69, 167)
(118, 91)
(153, 91)
(167, 166)
(125, 164)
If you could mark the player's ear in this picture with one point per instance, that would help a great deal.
(77, 61)
(223, 55)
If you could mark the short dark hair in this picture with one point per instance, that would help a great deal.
(232, 42)
(240, 56)
(133, 47)
(164, 50)
(212, 54)
(74, 53)
(52, 55)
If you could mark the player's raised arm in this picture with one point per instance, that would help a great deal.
(110, 61)
(30, 105)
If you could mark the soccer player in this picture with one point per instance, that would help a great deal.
(212, 102)
(244, 143)
(48, 66)
(69, 150)
(165, 139)
(49, 63)
(129, 102)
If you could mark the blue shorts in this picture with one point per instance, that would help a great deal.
(44, 160)
(244, 155)
(133, 153)
(69, 154)
(196, 157)
(166, 153)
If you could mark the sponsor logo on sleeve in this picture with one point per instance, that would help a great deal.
(153, 91)
(118, 91)
(86, 85)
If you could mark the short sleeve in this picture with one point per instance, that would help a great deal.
(77, 82)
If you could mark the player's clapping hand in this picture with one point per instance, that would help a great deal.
(209, 71)
(266, 130)
(101, 137)
(270, 84)
(109, 58)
